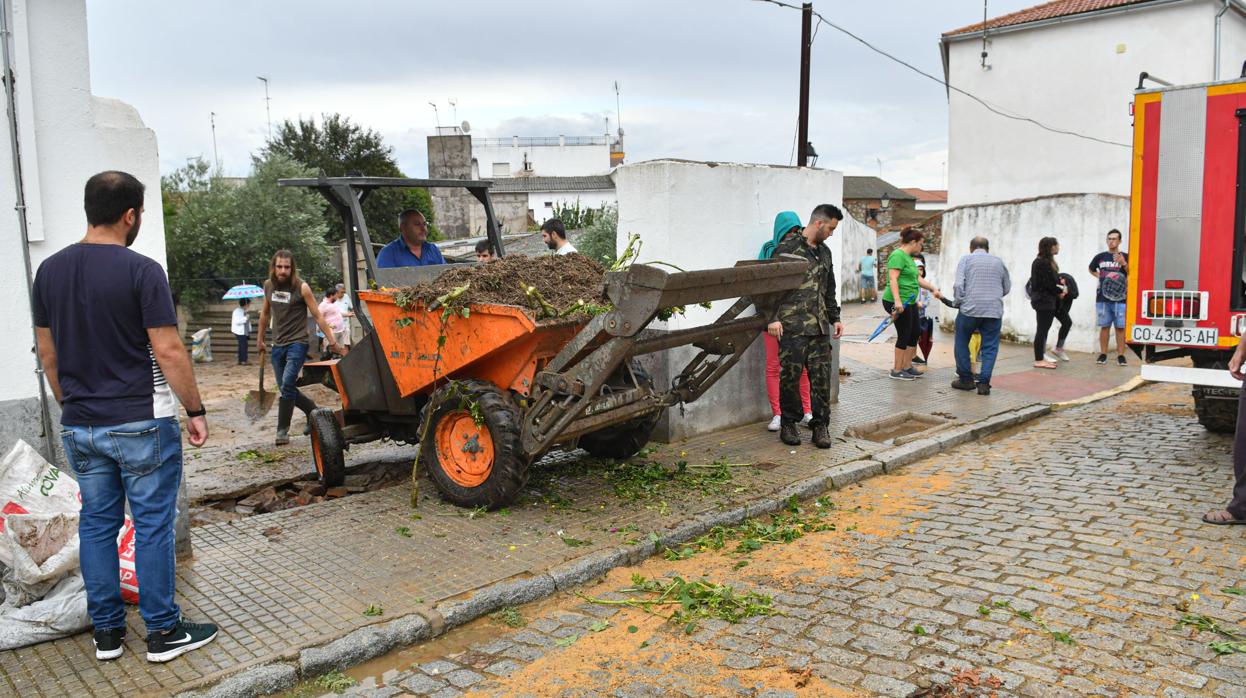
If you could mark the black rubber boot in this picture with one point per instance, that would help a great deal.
(821, 437)
(305, 404)
(285, 410)
(788, 434)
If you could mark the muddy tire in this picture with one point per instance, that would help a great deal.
(327, 446)
(1217, 414)
(1216, 407)
(622, 441)
(474, 465)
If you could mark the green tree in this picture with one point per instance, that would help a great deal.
(599, 239)
(219, 235)
(338, 147)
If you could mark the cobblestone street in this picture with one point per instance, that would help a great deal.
(1057, 559)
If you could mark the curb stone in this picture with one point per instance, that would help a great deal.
(510, 592)
(845, 474)
(363, 644)
(372, 641)
(261, 680)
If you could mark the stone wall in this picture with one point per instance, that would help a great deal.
(883, 218)
(450, 157)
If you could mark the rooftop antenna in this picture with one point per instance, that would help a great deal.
(454, 105)
(215, 156)
(618, 110)
(880, 167)
(984, 30)
(436, 115)
(267, 106)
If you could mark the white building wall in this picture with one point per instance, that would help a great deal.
(1077, 75)
(1232, 44)
(1079, 221)
(546, 160)
(537, 201)
(855, 238)
(67, 135)
(665, 202)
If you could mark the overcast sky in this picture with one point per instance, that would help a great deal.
(700, 79)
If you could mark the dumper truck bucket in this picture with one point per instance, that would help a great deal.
(567, 399)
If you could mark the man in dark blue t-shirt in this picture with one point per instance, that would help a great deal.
(411, 248)
(109, 346)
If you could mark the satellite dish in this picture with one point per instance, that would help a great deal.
(467, 128)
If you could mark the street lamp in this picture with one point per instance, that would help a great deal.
(811, 155)
(885, 202)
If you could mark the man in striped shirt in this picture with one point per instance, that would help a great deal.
(982, 281)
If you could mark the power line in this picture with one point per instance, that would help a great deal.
(989, 107)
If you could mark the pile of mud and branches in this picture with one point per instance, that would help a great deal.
(553, 286)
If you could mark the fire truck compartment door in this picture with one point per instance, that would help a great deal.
(1179, 201)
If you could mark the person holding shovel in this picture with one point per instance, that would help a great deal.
(287, 301)
(900, 300)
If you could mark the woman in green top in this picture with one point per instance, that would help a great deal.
(903, 283)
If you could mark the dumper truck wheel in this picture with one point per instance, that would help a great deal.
(474, 452)
(622, 441)
(327, 445)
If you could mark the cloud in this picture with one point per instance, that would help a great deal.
(700, 79)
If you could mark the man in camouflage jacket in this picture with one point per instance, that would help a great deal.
(804, 325)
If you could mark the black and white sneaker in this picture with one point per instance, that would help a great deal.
(109, 643)
(1120, 360)
(901, 376)
(178, 640)
(1103, 359)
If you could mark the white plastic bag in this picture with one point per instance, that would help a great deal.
(44, 549)
(201, 346)
(62, 612)
(31, 485)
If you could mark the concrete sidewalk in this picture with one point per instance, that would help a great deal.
(289, 589)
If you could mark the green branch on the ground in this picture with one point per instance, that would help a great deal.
(1006, 606)
(695, 601)
(754, 534)
(1234, 642)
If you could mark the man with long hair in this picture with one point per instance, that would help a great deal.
(287, 301)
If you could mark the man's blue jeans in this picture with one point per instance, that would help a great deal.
(139, 462)
(988, 327)
(287, 364)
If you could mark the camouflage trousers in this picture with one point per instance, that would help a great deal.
(811, 352)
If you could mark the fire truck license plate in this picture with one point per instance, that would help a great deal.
(1187, 336)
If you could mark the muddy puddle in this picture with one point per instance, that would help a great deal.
(899, 429)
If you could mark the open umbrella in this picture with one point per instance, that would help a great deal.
(243, 291)
(887, 320)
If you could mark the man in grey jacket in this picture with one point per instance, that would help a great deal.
(982, 281)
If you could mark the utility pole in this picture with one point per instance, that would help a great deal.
(802, 122)
(267, 106)
(216, 158)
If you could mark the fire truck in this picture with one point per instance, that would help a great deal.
(1187, 239)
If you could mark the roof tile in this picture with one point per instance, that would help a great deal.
(1048, 10)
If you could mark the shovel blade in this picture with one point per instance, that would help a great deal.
(258, 403)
